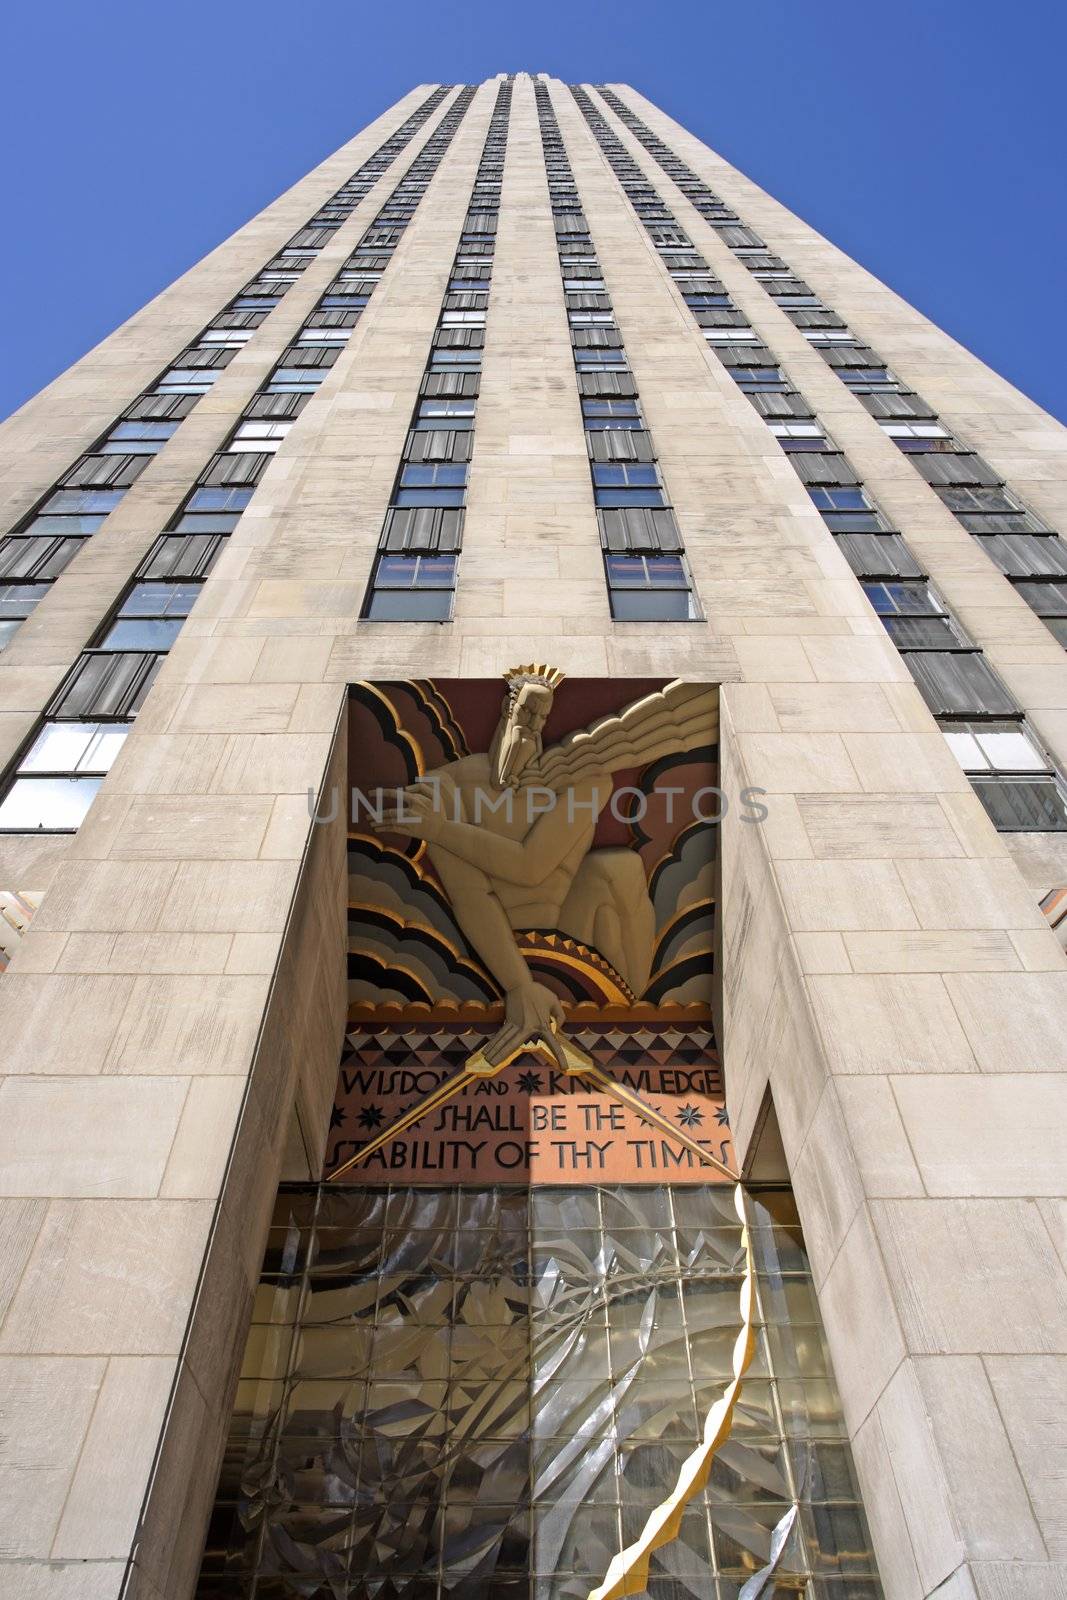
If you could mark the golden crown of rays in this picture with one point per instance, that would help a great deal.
(534, 672)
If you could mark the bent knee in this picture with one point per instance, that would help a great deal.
(619, 868)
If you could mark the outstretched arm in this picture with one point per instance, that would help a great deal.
(525, 862)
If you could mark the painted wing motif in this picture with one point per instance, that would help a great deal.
(683, 716)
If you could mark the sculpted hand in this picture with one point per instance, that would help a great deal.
(530, 1012)
(419, 816)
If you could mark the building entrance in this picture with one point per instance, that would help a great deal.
(481, 1391)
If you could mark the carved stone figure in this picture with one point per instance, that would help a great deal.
(510, 831)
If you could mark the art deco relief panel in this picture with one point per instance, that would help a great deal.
(556, 869)
(528, 1337)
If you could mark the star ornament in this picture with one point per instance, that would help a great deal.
(530, 1082)
(371, 1117)
(690, 1116)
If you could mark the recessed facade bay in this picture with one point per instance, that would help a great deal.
(533, 835)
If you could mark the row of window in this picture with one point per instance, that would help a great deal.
(647, 574)
(414, 575)
(56, 778)
(1027, 551)
(982, 723)
(36, 551)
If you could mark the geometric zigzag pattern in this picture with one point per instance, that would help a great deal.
(666, 1045)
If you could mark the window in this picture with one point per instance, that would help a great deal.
(632, 529)
(596, 339)
(855, 522)
(872, 375)
(732, 336)
(759, 377)
(821, 468)
(1025, 555)
(610, 408)
(327, 336)
(916, 437)
(158, 408)
(57, 779)
(68, 525)
(444, 357)
(625, 474)
(73, 502)
(878, 555)
(611, 415)
(980, 501)
(1010, 775)
(151, 616)
(840, 500)
(259, 436)
(914, 618)
(627, 496)
(140, 438)
(219, 499)
(959, 683)
(431, 484)
(439, 444)
(627, 484)
(183, 380)
(798, 435)
(207, 522)
(998, 521)
(993, 747)
(829, 336)
(914, 430)
(38, 558)
(233, 468)
(611, 359)
(457, 413)
(111, 470)
(412, 588)
(778, 407)
(652, 588)
(943, 470)
(1049, 600)
(17, 600)
(182, 555)
(105, 685)
(294, 380)
(231, 338)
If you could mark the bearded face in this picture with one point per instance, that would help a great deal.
(518, 737)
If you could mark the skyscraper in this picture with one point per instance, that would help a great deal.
(532, 689)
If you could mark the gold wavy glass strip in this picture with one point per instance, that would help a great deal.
(628, 1572)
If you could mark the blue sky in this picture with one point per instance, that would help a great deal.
(924, 137)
